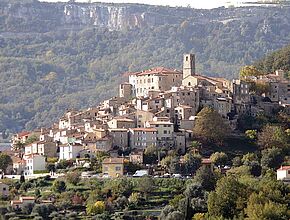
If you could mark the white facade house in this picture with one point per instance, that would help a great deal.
(34, 162)
(69, 151)
(283, 173)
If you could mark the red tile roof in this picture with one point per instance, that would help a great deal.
(206, 161)
(145, 129)
(16, 202)
(157, 70)
(28, 198)
(113, 160)
(284, 168)
(31, 156)
(23, 133)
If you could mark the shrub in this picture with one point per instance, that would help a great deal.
(59, 186)
(40, 171)
(96, 208)
(43, 210)
(73, 177)
(63, 164)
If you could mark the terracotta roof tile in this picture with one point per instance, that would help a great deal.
(144, 129)
(23, 133)
(284, 168)
(28, 198)
(157, 70)
(113, 160)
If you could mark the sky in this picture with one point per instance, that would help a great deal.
(193, 3)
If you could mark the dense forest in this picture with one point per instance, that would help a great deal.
(279, 59)
(50, 62)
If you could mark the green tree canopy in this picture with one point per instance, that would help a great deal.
(210, 126)
(59, 186)
(219, 158)
(228, 198)
(273, 136)
(5, 161)
(260, 207)
(272, 158)
(248, 71)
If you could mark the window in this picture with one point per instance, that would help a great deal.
(189, 83)
(160, 79)
(118, 168)
(165, 132)
(186, 58)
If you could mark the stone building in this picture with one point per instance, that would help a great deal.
(164, 133)
(125, 90)
(140, 138)
(119, 137)
(156, 79)
(113, 167)
(188, 65)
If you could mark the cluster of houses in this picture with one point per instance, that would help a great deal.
(156, 107)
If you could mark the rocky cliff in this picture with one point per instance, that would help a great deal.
(42, 17)
(111, 16)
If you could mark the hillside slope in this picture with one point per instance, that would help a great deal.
(52, 59)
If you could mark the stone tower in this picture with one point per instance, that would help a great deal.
(188, 65)
(125, 90)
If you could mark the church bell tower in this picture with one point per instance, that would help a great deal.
(188, 65)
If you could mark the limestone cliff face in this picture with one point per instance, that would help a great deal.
(111, 16)
(114, 17)
(34, 16)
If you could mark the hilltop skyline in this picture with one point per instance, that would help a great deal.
(206, 4)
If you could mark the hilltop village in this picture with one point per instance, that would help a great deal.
(156, 107)
(172, 145)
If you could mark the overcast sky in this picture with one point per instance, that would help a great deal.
(192, 3)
